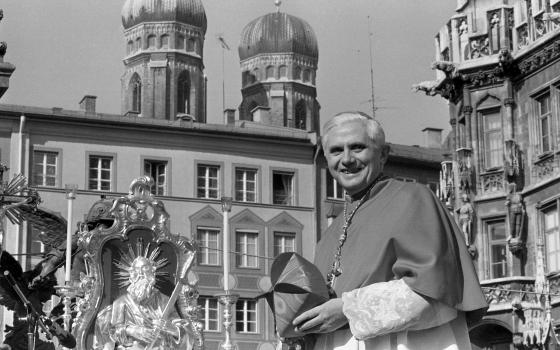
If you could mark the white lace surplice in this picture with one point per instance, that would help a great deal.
(391, 316)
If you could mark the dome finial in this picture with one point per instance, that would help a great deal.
(277, 3)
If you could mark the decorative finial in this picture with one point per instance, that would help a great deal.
(277, 3)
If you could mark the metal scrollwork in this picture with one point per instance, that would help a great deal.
(138, 244)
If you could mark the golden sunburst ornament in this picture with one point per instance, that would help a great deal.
(132, 256)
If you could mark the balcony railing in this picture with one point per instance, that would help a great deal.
(501, 293)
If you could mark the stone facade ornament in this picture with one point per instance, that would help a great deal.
(465, 217)
(465, 169)
(516, 219)
(446, 183)
(511, 160)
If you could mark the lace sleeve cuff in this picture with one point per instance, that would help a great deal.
(383, 308)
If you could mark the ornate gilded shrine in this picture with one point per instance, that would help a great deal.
(135, 292)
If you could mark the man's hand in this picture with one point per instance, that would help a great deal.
(324, 318)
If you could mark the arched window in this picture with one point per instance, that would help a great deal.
(138, 44)
(301, 115)
(282, 72)
(191, 45)
(180, 42)
(297, 73)
(306, 76)
(151, 42)
(269, 72)
(129, 47)
(256, 74)
(184, 93)
(136, 89)
(165, 41)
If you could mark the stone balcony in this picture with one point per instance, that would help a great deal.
(503, 294)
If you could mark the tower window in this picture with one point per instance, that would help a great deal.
(165, 41)
(191, 45)
(183, 93)
(297, 73)
(136, 87)
(129, 47)
(282, 72)
(138, 44)
(269, 72)
(180, 42)
(301, 115)
(151, 42)
(306, 76)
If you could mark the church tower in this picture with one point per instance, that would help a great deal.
(164, 69)
(279, 56)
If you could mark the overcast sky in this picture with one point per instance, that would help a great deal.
(64, 49)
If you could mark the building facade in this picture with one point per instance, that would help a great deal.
(498, 66)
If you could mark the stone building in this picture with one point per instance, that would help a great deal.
(497, 64)
(264, 157)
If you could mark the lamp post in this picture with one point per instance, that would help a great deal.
(227, 299)
(67, 291)
(70, 196)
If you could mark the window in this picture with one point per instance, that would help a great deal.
(246, 247)
(151, 42)
(246, 316)
(129, 47)
(282, 72)
(493, 143)
(284, 242)
(45, 166)
(282, 188)
(136, 87)
(164, 42)
(552, 238)
(301, 115)
(334, 190)
(100, 170)
(297, 73)
(209, 313)
(245, 185)
(306, 76)
(138, 44)
(180, 42)
(191, 45)
(184, 93)
(207, 181)
(496, 231)
(157, 170)
(269, 72)
(208, 243)
(545, 123)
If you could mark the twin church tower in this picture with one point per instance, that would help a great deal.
(164, 65)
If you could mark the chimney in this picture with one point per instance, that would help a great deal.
(229, 116)
(87, 104)
(432, 137)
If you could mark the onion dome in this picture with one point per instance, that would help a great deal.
(278, 33)
(183, 11)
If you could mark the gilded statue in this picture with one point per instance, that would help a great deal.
(143, 318)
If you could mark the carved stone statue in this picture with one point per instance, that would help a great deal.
(516, 217)
(466, 214)
(138, 319)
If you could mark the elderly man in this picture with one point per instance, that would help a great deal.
(398, 271)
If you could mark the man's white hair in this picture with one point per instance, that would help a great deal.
(373, 127)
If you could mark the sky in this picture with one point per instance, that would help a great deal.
(65, 49)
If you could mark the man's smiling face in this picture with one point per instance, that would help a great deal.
(353, 158)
